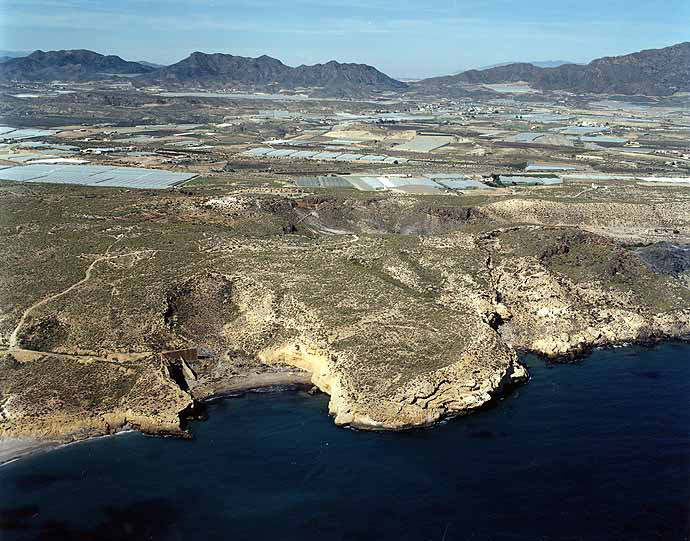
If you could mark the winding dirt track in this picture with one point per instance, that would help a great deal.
(87, 277)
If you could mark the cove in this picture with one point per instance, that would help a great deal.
(596, 450)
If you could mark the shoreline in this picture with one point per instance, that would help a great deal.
(579, 354)
(252, 382)
(13, 449)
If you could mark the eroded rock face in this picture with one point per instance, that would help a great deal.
(568, 291)
(380, 216)
(639, 214)
(400, 330)
(469, 382)
(53, 397)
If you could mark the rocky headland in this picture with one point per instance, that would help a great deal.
(409, 315)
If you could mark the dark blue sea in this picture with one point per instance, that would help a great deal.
(598, 450)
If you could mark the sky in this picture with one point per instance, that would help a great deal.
(403, 38)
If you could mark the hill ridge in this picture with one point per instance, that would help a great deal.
(660, 72)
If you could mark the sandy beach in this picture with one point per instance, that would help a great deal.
(11, 449)
(250, 382)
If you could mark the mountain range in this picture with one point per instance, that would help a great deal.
(217, 70)
(659, 72)
(150, 64)
(75, 65)
(538, 63)
(656, 72)
(199, 69)
(7, 55)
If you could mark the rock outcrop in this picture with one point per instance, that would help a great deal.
(400, 330)
(53, 396)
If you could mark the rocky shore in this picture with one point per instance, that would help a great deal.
(400, 331)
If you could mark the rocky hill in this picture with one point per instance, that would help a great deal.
(656, 72)
(400, 329)
(200, 69)
(73, 65)
(218, 70)
(538, 63)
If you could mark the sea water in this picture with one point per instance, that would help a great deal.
(598, 450)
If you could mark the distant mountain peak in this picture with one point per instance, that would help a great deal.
(68, 65)
(660, 72)
(537, 63)
(14, 54)
(651, 72)
(222, 70)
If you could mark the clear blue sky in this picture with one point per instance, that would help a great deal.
(404, 38)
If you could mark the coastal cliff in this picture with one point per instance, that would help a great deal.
(400, 330)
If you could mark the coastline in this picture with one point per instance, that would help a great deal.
(15, 448)
(279, 454)
(12, 449)
(251, 382)
(578, 354)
